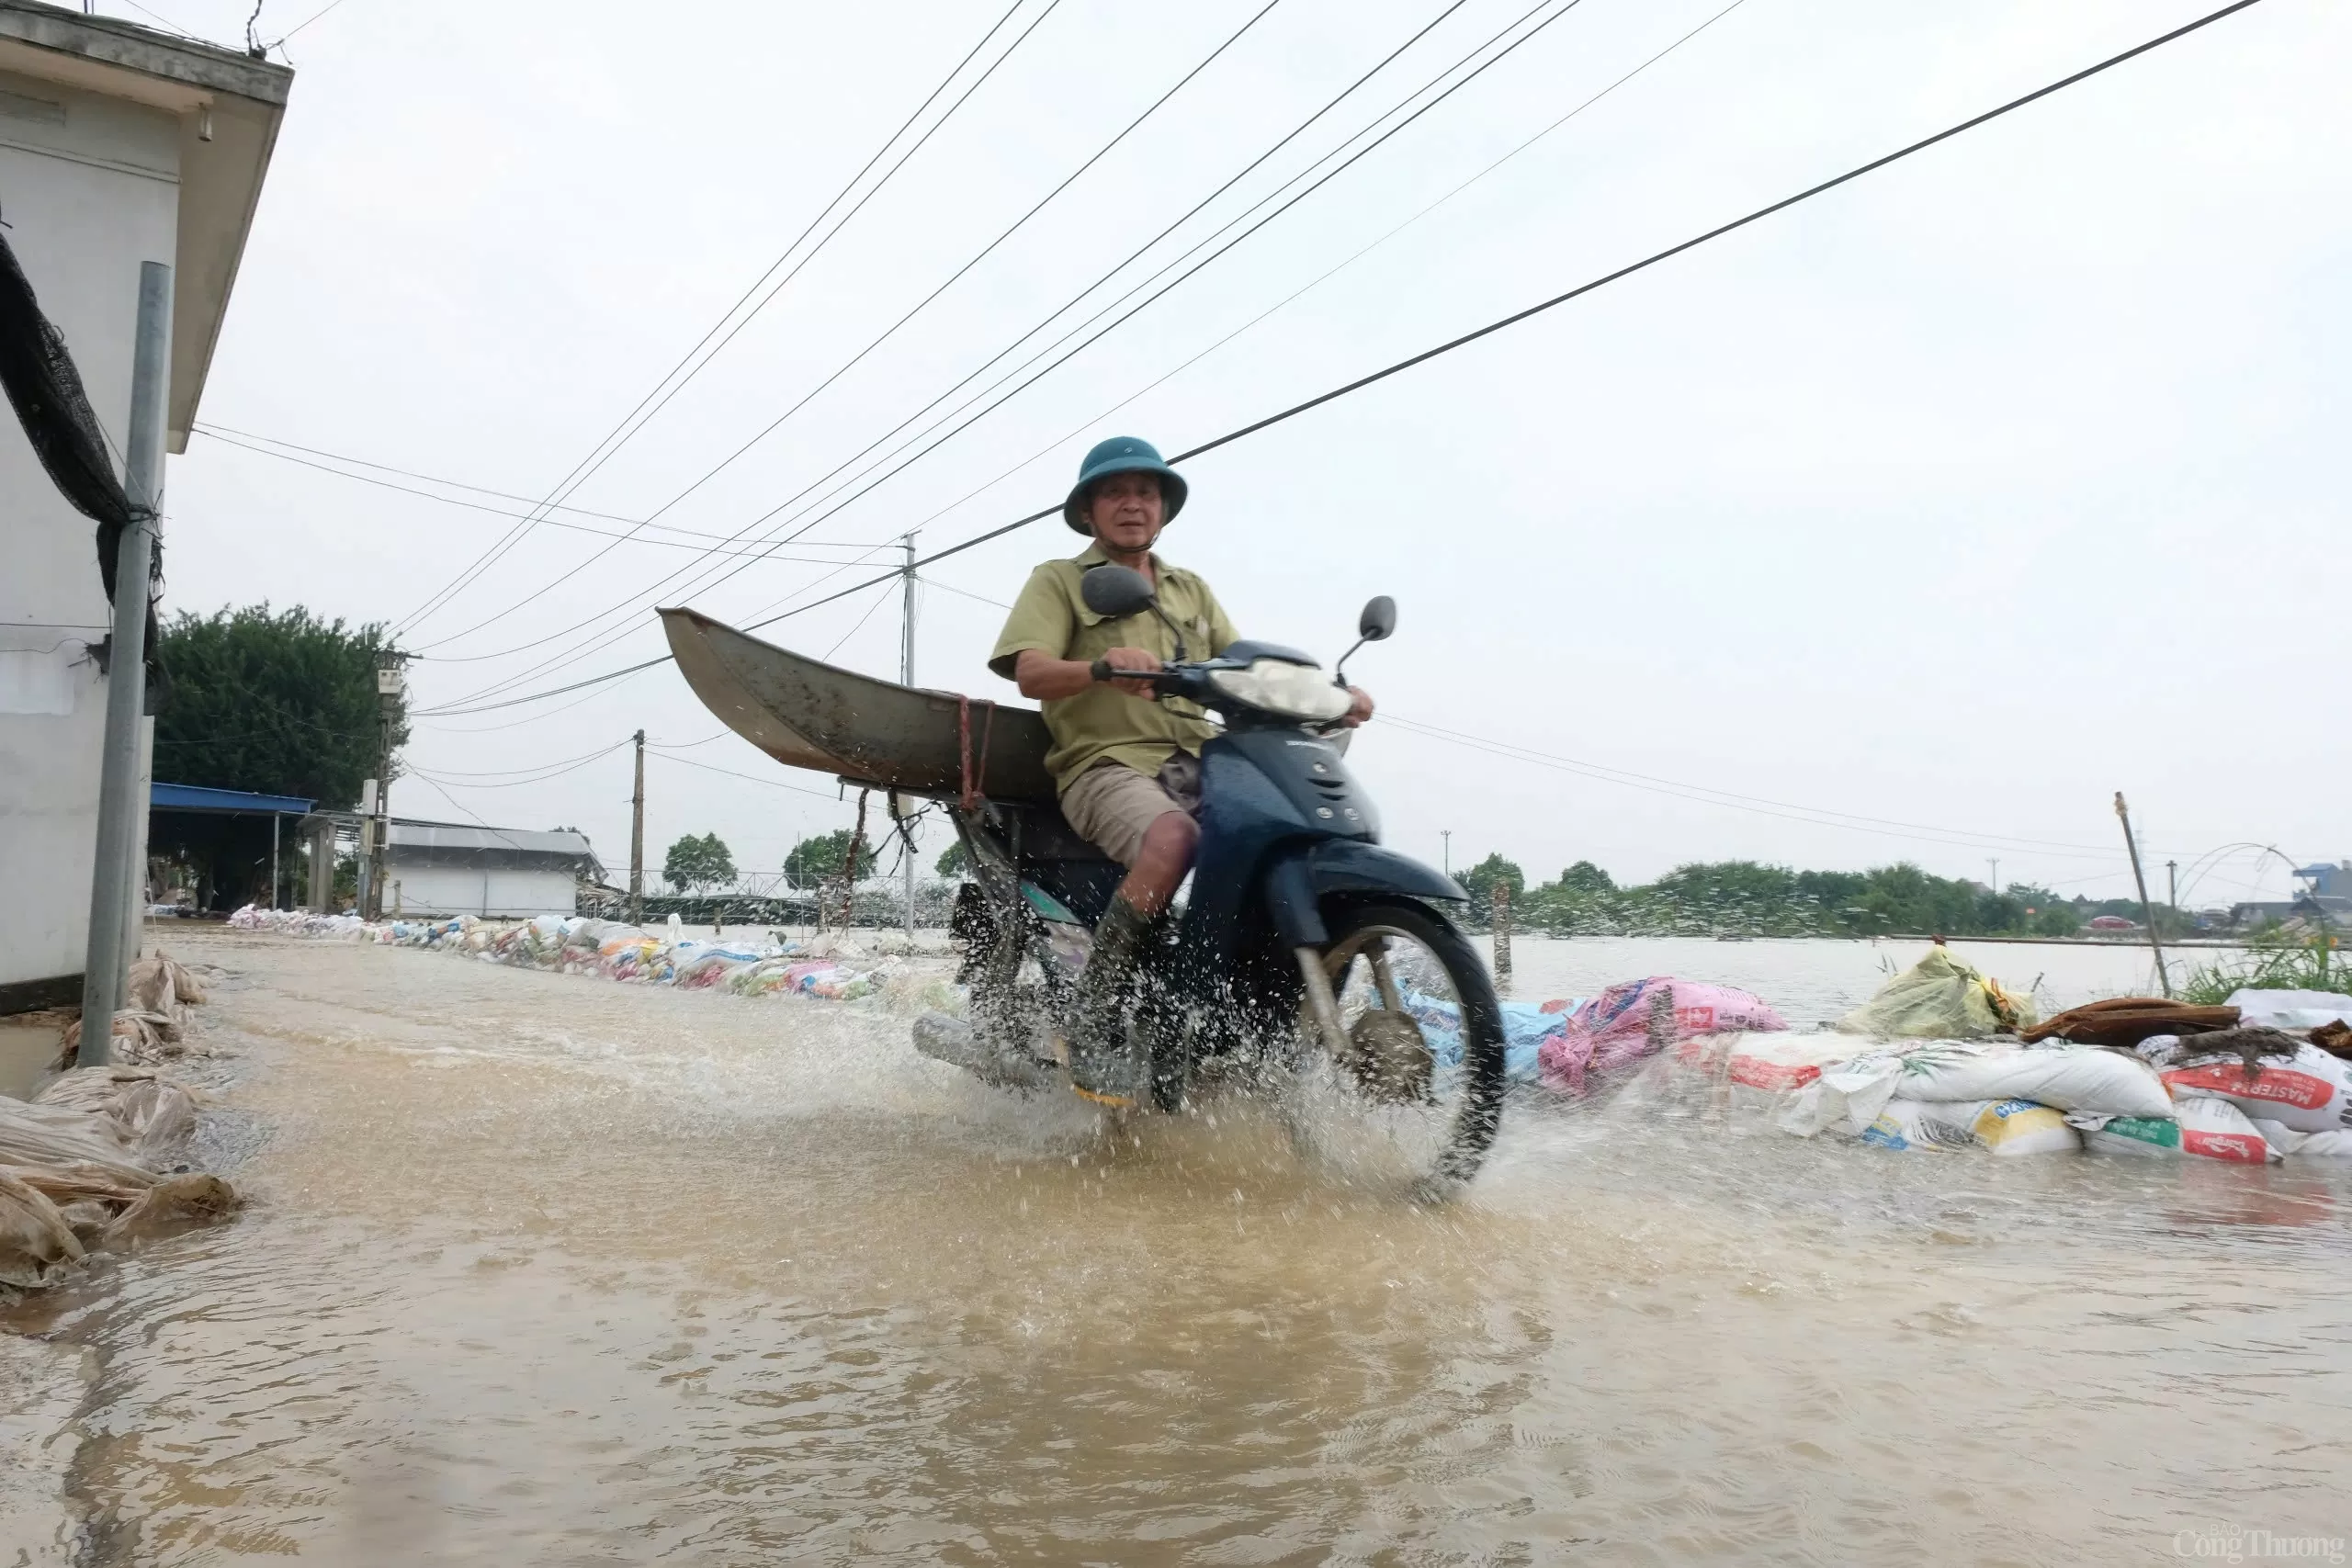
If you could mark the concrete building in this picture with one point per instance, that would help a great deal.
(442, 868)
(119, 145)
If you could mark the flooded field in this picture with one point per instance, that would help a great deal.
(543, 1270)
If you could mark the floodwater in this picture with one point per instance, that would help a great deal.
(544, 1269)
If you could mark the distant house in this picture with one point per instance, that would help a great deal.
(446, 868)
(119, 145)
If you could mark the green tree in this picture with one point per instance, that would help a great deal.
(698, 863)
(954, 862)
(280, 703)
(820, 859)
(1479, 882)
(1586, 877)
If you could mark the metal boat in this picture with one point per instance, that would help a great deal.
(808, 713)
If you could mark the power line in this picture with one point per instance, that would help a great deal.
(605, 639)
(620, 435)
(730, 772)
(596, 641)
(716, 545)
(877, 342)
(1512, 319)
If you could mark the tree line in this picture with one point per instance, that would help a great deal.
(1752, 899)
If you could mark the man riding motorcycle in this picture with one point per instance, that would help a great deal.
(1125, 764)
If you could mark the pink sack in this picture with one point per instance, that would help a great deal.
(1626, 1022)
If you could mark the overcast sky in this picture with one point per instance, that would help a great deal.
(1924, 517)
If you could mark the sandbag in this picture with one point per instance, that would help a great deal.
(159, 1115)
(1939, 999)
(2199, 1128)
(59, 1134)
(2069, 1078)
(2305, 1089)
(173, 1205)
(36, 1242)
(1629, 1021)
(2292, 1009)
(2006, 1127)
(2285, 1141)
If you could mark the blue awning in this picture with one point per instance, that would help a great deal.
(196, 798)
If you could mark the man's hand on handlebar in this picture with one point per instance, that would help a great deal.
(1359, 709)
(1137, 660)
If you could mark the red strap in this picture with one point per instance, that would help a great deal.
(974, 782)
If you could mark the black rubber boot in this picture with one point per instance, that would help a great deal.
(1105, 1066)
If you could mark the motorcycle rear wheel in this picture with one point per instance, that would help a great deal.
(1426, 1120)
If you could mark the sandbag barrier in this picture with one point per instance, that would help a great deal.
(825, 968)
(95, 1161)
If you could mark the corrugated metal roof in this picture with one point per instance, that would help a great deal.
(450, 836)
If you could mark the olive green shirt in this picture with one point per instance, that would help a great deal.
(1104, 723)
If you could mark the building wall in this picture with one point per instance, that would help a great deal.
(468, 890)
(89, 188)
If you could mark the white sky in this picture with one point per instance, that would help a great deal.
(1964, 496)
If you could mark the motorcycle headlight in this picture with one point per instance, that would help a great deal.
(1278, 686)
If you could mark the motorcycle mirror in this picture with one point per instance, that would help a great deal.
(1115, 592)
(1376, 624)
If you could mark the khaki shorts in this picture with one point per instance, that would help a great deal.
(1111, 805)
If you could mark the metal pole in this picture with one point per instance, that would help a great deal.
(119, 808)
(2172, 884)
(907, 678)
(273, 860)
(1447, 834)
(2124, 814)
(637, 839)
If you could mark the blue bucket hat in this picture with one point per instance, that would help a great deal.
(1122, 455)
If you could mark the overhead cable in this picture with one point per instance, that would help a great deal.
(620, 435)
(890, 330)
(1514, 318)
(599, 640)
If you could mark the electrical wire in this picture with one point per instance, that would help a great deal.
(620, 435)
(886, 333)
(1514, 318)
(860, 626)
(600, 640)
(714, 543)
(962, 593)
(753, 778)
(597, 641)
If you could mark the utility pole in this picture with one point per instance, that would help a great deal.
(120, 810)
(637, 839)
(907, 678)
(1447, 834)
(2123, 813)
(2172, 884)
(1994, 862)
(391, 682)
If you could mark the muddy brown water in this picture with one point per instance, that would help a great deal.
(543, 1270)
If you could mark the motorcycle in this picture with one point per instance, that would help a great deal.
(1307, 960)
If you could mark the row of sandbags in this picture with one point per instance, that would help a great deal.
(82, 1168)
(826, 967)
(2244, 1096)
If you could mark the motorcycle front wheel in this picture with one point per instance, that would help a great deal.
(1415, 1095)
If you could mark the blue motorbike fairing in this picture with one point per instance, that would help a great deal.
(1282, 826)
(1302, 876)
(1347, 866)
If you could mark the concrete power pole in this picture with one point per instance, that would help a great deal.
(120, 810)
(637, 839)
(390, 684)
(907, 678)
